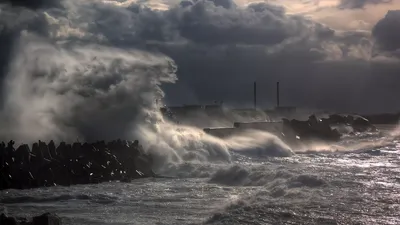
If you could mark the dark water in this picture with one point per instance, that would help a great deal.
(351, 187)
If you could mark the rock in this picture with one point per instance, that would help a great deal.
(52, 149)
(68, 164)
(361, 124)
(337, 119)
(45, 150)
(46, 219)
(61, 150)
(22, 154)
(358, 123)
(7, 220)
(312, 129)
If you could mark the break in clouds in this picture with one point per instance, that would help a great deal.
(74, 64)
(355, 4)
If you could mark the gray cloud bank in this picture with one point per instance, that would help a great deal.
(37, 4)
(220, 51)
(356, 4)
(91, 61)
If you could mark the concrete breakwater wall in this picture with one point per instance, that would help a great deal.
(295, 132)
(238, 127)
(45, 164)
(273, 127)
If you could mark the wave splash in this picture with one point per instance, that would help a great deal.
(65, 88)
(279, 196)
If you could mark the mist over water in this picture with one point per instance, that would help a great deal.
(66, 83)
(92, 70)
(88, 92)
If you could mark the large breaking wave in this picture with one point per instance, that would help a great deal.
(66, 82)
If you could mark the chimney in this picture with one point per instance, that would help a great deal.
(277, 94)
(255, 94)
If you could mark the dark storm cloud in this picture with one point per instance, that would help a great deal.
(204, 22)
(33, 4)
(221, 65)
(356, 4)
(258, 24)
(220, 49)
(387, 32)
(45, 52)
(227, 4)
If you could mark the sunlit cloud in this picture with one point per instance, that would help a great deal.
(328, 12)
(353, 19)
(331, 12)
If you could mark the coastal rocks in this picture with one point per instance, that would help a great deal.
(358, 123)
(297, 133)
(312, 129)
(315, 129)
(8, 220)
(44, 219)
(69, 164)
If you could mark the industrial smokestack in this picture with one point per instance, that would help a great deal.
(255, 94)
(277, 94)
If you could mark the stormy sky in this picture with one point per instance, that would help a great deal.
(328, 54)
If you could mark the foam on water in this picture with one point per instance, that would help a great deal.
(325, 188)
(239, 175)
(66, 82)
(174, 144)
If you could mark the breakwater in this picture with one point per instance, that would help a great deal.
(45, 164)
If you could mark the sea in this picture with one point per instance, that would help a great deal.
(352, 186)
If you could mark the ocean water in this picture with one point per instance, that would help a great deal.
(326, 187)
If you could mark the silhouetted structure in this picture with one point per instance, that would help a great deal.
(255, 94)
(44, 219)
(277, 94)
(68, 164)
(295, 132)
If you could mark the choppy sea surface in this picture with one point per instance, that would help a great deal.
(356, 186)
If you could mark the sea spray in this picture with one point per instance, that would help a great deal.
(96, 92)
(66, 83)
(258, 143)
(91, 92)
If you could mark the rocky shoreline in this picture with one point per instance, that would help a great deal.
(45, 164)
(298, 133)
(44, 219)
